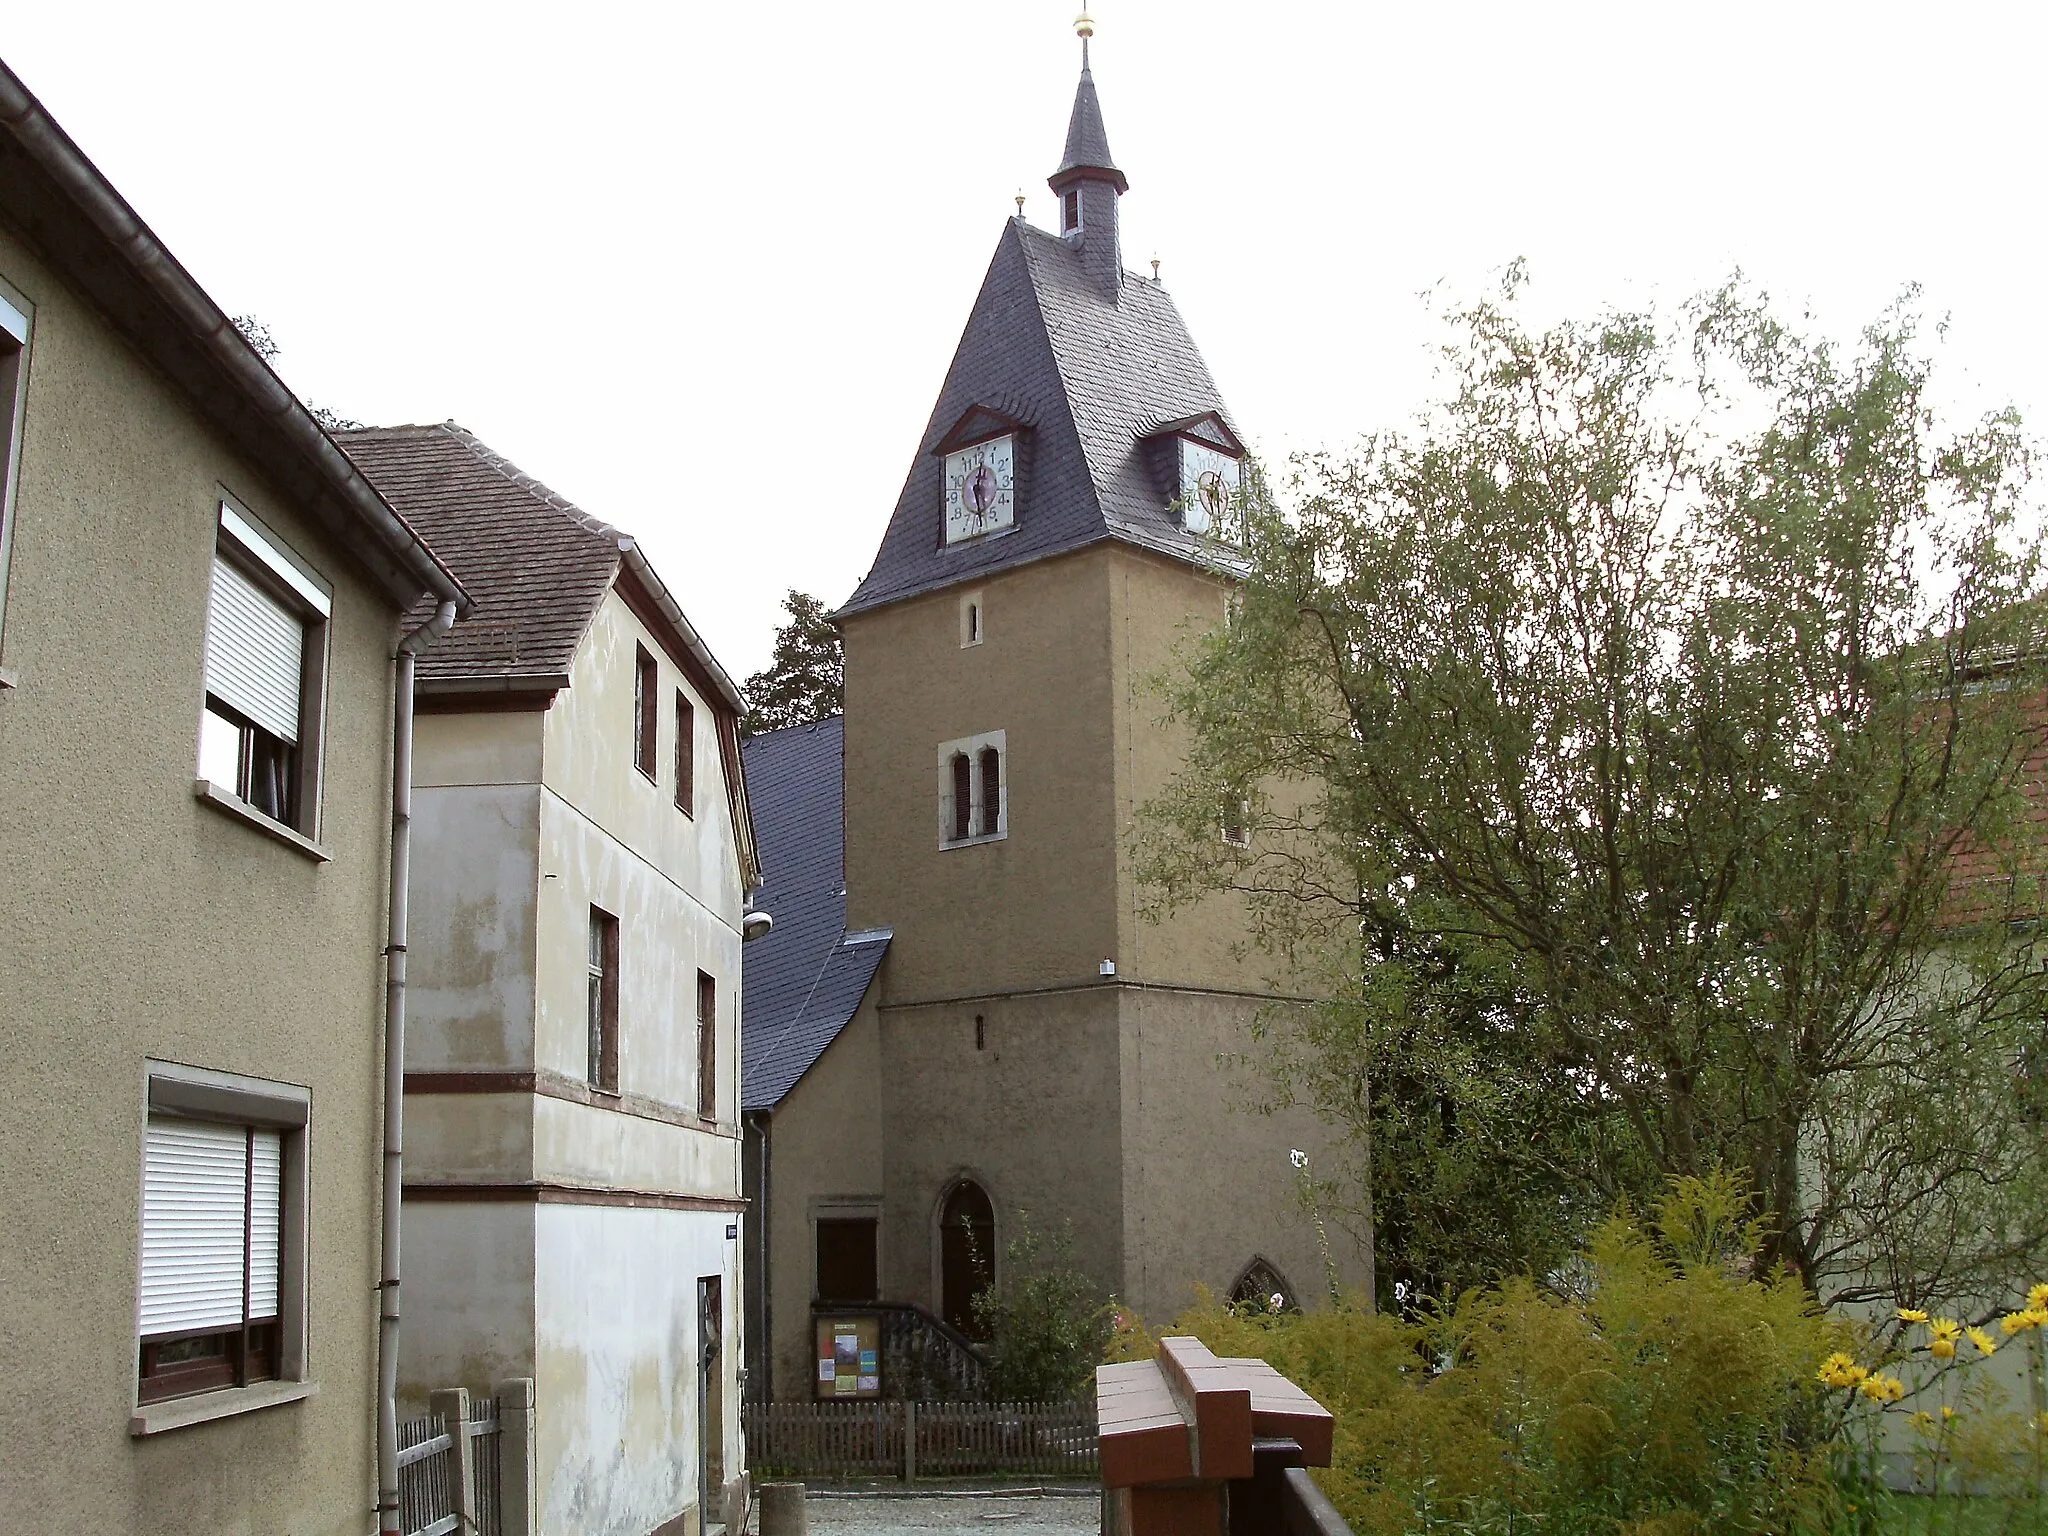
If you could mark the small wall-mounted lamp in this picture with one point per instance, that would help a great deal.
(754, 925)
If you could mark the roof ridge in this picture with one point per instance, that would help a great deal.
(533, 487)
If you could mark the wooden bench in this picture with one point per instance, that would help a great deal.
(1193, 1444)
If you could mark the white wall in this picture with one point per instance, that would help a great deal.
(616, 1315)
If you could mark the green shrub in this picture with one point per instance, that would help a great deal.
(1655, 1390)
(1048, 1323)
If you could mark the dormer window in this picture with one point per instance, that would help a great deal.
(1209, 483)
(1070, 210)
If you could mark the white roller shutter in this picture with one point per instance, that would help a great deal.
(195, 1223)
(255, 651)
(192, 1225)
(265, 1211)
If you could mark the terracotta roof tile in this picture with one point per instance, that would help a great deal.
(535, 563)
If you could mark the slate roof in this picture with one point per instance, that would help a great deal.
(535, 563)
(804, 980)
(1087, 139)
(1090, 380)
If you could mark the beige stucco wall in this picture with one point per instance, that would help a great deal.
(1033, 1118)
(1034, 909)
(1207, 1179)
(825, 1142)
(1159, 608)
(136, 922)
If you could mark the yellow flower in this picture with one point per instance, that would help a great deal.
(1924, 1422)
(1838, 1370)
(1882, 1389)
(2020, 1322)
(1946, 1328)
(2037, 1298)
(1947, 1412)
(1942, 1349)
(1984, 1342)
(1912, 1315)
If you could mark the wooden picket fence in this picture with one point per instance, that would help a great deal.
(913, 1440)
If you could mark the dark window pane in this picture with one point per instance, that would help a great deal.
(846, 1261)
(991, 791)
(963, 796)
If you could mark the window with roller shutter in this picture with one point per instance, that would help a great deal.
(212, 1256)
(265, 648)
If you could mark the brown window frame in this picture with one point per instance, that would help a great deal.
(1070, 210)
(601, 1004)
(646, 711)
(686, 755)
(247, 1351)
(707, 1046)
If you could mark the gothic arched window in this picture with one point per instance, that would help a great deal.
(1262, 1287)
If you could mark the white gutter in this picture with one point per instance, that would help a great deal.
(388, 1520)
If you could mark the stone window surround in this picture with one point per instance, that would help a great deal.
(202, 1093)
(973, 746)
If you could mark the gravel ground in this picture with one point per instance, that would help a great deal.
(956, 1515)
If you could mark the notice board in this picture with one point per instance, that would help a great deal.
(849, 1353)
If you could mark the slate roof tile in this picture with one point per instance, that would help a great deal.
(1094, 378)
(805, 979)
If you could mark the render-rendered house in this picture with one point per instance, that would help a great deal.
(581, 863)
(1031, 1045)
(200, 606)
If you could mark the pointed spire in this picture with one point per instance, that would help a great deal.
(1088, 182)
(1087, 140)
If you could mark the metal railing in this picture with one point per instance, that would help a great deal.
(912, 1440)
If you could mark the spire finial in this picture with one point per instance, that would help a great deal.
(1084, 28)
(1020, 203)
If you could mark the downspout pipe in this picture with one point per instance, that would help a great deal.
(388, 1520)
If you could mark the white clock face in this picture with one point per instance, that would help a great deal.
(981, 489)
(1208, 486)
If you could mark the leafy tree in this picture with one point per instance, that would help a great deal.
(257, 334)
(1047, 1321)
(1643, 746)
(806, 678)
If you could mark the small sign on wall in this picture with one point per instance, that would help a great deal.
(849, 1357)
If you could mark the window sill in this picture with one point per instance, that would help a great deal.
(9, 678)
(228, 803)
(975, 842)
(178, 1412)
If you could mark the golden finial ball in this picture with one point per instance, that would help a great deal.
(1084, 26)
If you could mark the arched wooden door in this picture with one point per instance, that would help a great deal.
(967, 1251)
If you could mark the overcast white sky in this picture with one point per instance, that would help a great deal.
(701, 266)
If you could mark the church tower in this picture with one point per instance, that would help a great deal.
(1031, 1045)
